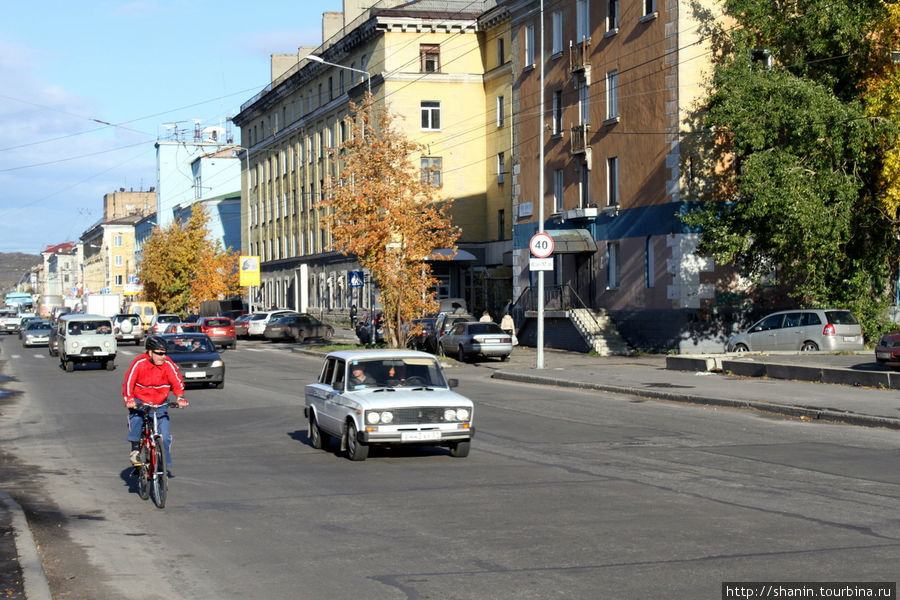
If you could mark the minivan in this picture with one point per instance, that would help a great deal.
(806, 330)
(145, 310)
(83, 339)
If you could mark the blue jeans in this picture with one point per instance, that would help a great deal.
(136, 419)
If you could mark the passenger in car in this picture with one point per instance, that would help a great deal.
(359, 379)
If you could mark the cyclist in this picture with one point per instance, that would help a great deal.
(150, 378)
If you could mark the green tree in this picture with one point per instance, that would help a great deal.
(382, 212)
(801, 195)
(181, 266)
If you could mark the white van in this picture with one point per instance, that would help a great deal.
(85, 338)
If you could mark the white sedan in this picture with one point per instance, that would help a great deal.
(390, 397)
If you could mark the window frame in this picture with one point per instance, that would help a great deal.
(430, 111)
(429, 53)
(432, 171)
(558, 191)
(530, 53)
(612, 95)
(612, 181)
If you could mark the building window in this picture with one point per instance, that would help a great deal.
(612, 181)
(117, 241)
(431, 115)
(612, 15)
(649, 7)
(582, 20)
(558, 191)
(429, 58)
(529, 45)
(341, 82)
(557, 32)
(321, 141)
(118, 280)
(500, 113)
(320, 95)
(612, 95)
(501, 52)
(612, 265)
(649, 263)
(585, 184)
(557, 112)
(501, 224)
(501, 166)
(584, 102)
(117, 260)
(431, 168)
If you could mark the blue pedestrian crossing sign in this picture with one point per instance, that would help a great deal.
(357, 278)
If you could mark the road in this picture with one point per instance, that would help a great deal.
(566, 494)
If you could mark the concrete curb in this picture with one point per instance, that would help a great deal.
(809, 412)
(36, 586)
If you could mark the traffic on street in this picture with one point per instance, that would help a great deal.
(566, 492)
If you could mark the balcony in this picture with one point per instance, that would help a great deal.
(579, 56)
(579, 138)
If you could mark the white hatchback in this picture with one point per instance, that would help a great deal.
(256, 325)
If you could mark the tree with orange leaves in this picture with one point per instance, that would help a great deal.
(382, 211)
(181, 266)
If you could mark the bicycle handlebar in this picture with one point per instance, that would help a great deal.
(143, 405)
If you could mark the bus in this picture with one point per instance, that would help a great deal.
(20, 300)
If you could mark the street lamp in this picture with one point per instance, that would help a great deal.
(319, 59)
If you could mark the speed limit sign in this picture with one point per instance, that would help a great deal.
(541, 245)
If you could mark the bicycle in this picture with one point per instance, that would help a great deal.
(151, 471)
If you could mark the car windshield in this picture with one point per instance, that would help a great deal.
(168, 319)
(217, 322)
(395, 372)
(478, 328)
(91, 327)
(258, 317)
(180, 345)
(38, 325)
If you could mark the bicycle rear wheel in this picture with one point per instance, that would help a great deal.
(159, 481)
(143, 472)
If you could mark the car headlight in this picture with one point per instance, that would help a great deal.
(462, 414)
(450, 414)
(216, 363)
(387, 417)
(372, 417)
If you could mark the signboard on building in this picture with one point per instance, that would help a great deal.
(540, 264)
(249, 270)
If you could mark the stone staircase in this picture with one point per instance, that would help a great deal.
(599, 331)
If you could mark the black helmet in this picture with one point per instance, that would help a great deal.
(154, 342)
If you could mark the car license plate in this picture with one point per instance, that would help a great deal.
(194, 374)
(849, 338)
(883, 355)
(419, 436)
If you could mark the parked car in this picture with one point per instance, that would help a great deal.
(466, 339)
(240, 326)
(220, 330)
(85, 338)
(803, 329)
(36, 333)
(887, 352)
(257, 324)
(183, 328)
(442, 325)
(128, 328)
(196, 356)
(298, 328)
(363, 329)
(417, 341)
(420, 409)
(159, 321)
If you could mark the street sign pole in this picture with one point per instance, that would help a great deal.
(540, 301)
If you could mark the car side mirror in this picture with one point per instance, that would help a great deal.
(453, 383)
(757, 328)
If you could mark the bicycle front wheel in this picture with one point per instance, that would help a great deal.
(159, 481)
(143, 471)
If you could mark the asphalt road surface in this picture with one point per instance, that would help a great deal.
(566, 494)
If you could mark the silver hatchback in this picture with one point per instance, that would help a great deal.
(807, 330)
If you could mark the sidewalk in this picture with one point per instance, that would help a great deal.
(648, 377)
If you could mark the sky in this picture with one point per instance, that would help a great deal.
(87, 88)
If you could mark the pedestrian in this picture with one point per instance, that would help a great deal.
(485, 317)
(509, 326)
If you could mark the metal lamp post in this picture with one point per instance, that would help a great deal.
(319, 59)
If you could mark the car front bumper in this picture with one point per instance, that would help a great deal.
(436, 435)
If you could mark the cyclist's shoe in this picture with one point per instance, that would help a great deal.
(135, 457)
(170, 473)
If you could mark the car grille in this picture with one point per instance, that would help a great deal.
(419, 416)
(194, 365)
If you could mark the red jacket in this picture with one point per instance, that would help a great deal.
(149, 383)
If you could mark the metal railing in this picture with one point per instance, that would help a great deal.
(556, 297)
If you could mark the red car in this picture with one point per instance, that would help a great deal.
(219, 329)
